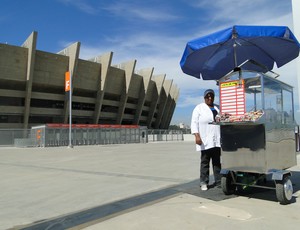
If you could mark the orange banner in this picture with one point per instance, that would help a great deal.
(67, 81)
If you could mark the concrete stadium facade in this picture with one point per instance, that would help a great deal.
(32, 89)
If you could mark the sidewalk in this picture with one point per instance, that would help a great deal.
(133, 186)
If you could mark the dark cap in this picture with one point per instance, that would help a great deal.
(209, 91)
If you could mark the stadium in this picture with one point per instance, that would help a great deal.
(32, 89)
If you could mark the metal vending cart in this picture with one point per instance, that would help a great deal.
(258, 133)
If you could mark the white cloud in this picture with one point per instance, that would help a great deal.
(130, 10)
(163, 50)
(82, 5)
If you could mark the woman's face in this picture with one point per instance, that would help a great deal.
(209, 99)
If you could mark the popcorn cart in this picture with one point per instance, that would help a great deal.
(257, 124)
(258, 133)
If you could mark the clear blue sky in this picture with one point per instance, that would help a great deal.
(154, 32)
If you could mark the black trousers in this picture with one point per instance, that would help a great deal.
(213, 154)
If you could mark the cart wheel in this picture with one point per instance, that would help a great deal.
(227, 184)
(284, 190)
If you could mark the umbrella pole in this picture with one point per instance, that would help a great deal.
(235, 64)
(234, 54)
(240, 78)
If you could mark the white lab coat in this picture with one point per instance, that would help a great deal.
(209, 133)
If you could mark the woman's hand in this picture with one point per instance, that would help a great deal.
(198, 139)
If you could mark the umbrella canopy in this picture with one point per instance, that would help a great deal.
(213, 56)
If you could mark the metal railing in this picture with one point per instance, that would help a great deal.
(42, 136)
(164, 135)
(11, 137)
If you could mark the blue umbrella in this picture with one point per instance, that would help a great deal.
(213, 56)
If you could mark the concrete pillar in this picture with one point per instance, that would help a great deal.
(162, 103)
(129, 71)
(147, 75)
(105, 61)
(169, 107)
(159, 80)
(296, 31)
(72, 52)
(173, 106)
(30, 43)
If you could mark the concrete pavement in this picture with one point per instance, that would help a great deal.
(131, 186)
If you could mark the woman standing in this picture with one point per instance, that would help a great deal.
(207, 138)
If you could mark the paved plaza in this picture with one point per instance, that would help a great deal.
(131, 187)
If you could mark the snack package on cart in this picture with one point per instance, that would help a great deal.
(248, 116)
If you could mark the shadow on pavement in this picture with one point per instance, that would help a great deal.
(110, 210)
(270, 194)
(213, 193)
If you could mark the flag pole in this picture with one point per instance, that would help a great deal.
(70, 113)
(68, 88)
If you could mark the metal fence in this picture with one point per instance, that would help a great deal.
(164, 135)
(58, 135)
(43, 136)
(8, 137)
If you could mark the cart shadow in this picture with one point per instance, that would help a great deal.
(213, 193)
(270, 194)
(216, 193)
